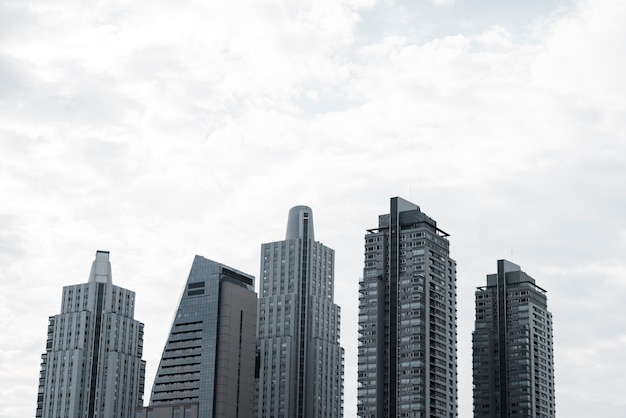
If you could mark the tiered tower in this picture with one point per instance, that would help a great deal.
(92, 366)
(300, 359)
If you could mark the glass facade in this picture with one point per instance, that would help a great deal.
(209, 356)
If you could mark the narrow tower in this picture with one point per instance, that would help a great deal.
(92, 366)
(300, 360)
(207, 367)
(512, 347)
(407, 318)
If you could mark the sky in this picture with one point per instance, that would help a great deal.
(161, 129)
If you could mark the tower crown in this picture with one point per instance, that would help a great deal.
(296, 224)
(101, 268)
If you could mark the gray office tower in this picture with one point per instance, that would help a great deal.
(512, 347)
(300, 360)
(207, 367)
(407, 364)
(92, 367)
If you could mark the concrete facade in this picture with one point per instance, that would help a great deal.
(92, 366)
(513, 359)
(300, 360)
(407, 364)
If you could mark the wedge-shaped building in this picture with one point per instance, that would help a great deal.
(208, 363)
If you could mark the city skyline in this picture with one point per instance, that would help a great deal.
(160, 130)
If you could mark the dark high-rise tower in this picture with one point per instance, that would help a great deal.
(512, 347)
(92, 366)
(407, 318)
(300, 359)
(207, 367)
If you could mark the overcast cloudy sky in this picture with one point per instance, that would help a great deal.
(162, 129)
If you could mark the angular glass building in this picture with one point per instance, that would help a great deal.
(92, 367)
(208, 363)
(300, 360)
(407, 363)
(513, 359)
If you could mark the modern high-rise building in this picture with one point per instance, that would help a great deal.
(513, 363)
(92, 367)
(300, 360)
(208, 363)
(407, 363)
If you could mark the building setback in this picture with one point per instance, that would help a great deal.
(300, 360)
(513, 364)
(207, 366)
(92, 367)
(407, 364)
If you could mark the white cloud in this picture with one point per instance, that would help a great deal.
(443, 2)
(159, 131)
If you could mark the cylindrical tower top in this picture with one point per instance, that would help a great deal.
(101, 268)
(296, 224)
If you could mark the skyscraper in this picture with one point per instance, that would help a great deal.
(300, 359)
(207, 367)
(512, 347)
(92, 367)
(407, 318)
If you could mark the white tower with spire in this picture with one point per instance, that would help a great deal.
(92, 366)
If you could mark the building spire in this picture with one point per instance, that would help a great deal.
(101, 268)
(296, 224)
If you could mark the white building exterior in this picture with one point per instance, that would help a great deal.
(92, 367)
